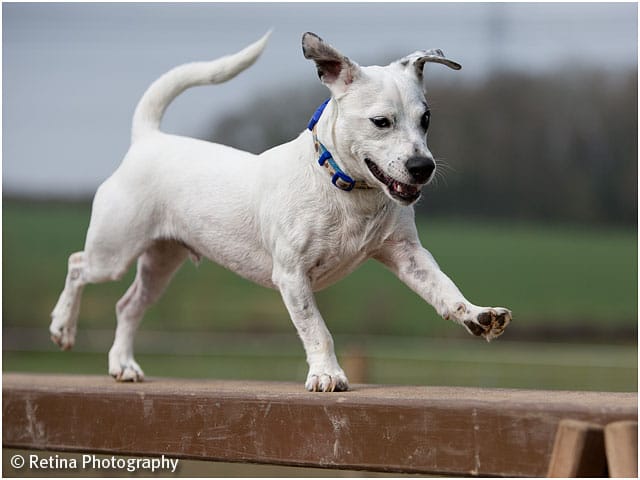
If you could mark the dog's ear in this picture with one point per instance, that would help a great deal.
(334, 69)
(415, 61)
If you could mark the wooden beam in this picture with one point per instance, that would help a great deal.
(439, 430)
(621, 442)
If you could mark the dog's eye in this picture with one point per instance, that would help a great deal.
(425, 119)
(381, 122)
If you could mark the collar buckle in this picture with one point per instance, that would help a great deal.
(343, 181)
(324, 157)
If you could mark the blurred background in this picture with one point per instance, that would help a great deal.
(535, 206)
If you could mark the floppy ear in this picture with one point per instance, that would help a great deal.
(416, 61)
(334, 69)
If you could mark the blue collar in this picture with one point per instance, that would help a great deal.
(317, 114)
(338, 177)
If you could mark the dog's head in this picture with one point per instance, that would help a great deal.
(380, 117)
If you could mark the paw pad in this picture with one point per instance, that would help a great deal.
(489, 323)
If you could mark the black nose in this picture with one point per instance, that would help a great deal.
(420, 168)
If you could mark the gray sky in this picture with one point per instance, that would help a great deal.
(73, 73)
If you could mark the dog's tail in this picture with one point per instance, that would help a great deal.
(152, 105)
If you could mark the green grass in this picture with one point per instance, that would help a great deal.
(502, 364)
(548, 275)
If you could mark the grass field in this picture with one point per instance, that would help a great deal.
(552, 277)
(545, 274)
(424, 361)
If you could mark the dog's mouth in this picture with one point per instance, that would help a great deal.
(403, 192)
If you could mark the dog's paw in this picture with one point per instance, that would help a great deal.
(124, 369)
(130, 372)
(62, 335)
(327, 382)
(489, 323)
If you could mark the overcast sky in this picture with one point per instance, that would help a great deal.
(72, 73)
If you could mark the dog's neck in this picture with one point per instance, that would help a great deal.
(324, 156)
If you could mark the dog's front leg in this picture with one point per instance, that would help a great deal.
(325, 374)
(417, 268)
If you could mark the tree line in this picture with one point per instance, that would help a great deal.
(560, 146)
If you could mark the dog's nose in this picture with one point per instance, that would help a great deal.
(420, 168)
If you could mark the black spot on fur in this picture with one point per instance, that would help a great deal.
(419, 274)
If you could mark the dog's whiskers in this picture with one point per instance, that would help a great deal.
(441, 172)
(446, 166)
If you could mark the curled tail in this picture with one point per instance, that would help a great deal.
(159, 95)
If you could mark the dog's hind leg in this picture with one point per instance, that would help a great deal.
(116, 236)
(84, 267)
(64, 317)
(156, 267)
(93, 265)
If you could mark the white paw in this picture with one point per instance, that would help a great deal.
(489, 323)
(124, 369)
(63, 335)
(334, 381)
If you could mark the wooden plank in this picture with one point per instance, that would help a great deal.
(578, 451)
(439, 430)
(621, 442)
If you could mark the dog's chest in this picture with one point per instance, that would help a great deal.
(343, 243)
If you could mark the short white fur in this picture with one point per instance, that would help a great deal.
(273, 218)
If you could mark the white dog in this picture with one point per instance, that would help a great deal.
(296, 218)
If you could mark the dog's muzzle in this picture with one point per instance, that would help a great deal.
(403, 192)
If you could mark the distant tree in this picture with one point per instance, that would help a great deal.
(547, 147)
